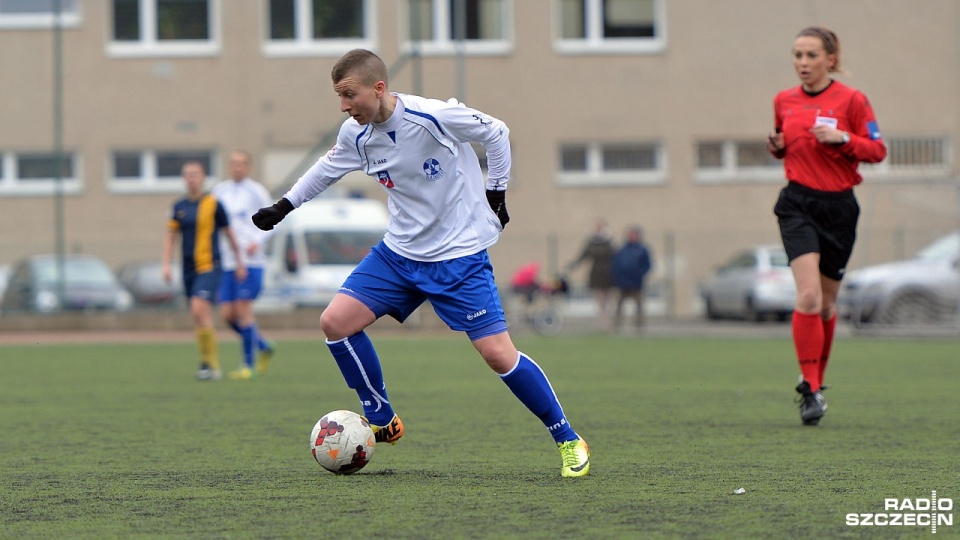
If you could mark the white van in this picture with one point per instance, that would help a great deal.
(316, 247)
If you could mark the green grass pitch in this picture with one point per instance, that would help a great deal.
(119, 441)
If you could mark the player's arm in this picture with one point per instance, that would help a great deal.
(865, 144)
(338, 161)
(241, 270)
(470, 125)
(222, 222)
(776, 144)
(167, 257)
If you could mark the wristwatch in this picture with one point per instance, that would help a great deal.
(844, 137)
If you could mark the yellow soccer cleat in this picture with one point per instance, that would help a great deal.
(389, 433)
(263, 360)
(241, 374)
(576, 458)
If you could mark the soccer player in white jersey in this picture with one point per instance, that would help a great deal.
(443, 217)
(241, 197)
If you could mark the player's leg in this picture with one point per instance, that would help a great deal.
(243, 293)
(807, 326)
(801, 241)
(375, 288)
(831, 288)
(464, 295)
(203, 289)
(838, 216)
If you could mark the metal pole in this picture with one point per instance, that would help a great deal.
(460, 22)
(58, 149)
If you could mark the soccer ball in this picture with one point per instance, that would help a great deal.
(342, 442)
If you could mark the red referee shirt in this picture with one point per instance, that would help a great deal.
(827, 167)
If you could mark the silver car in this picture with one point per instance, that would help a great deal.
(923, 290)
(755, 284)
(88, 284)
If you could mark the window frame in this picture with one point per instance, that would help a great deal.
(595, 43)
(149, 181)
(12, 185)
(443, 43)
(596, 176)
(150, 46)
(303, 44)
(68, 19)
(886, 170)
(729, 172)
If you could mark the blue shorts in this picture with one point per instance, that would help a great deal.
(462, 291)
(232, 290)
(203, 285)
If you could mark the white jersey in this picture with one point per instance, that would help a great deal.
(241, 200)
(423, 159)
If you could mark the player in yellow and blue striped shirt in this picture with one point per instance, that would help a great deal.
(198, 219)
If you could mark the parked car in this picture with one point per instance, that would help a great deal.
(88, 284)
(755, 284)
(144, 280)
(922, 290)
(5, 270)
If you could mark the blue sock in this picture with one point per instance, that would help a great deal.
(262, 344)
(360, 366)
(528, 382)
(248, 336)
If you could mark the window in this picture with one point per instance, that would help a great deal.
(36, 173)
(38, 13)
(330, 27)
(923, 157)
(138, 171)
(436, 27)
(614, 26)
(621, 163)
(164, 28)
(736, 161)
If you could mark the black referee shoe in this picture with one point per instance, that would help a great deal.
(812, 404)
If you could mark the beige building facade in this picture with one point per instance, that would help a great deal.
(642, 112)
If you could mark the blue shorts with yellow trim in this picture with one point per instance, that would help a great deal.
(201, 285)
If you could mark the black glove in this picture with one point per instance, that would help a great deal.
(266, 218)
(497, 200)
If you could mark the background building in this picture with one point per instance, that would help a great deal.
(649, 112)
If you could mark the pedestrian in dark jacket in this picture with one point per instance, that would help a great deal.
(631, 265)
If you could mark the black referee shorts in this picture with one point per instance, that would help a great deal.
(823, 222)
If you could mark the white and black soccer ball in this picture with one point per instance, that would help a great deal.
(342, 442)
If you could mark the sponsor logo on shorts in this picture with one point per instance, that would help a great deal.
(473, 316)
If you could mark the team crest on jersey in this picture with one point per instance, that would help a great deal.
(384, 178)
(433, 170)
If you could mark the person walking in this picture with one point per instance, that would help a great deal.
(823, 129)
(198, 218)
(241, 197)
(443, 217)
(631, 264)
(599, 251)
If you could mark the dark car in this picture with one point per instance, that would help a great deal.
(923, 290)
(88, 284)
(754, 284)
(144, 280)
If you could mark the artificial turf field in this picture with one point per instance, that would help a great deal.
(119, 441)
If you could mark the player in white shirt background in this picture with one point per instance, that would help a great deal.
(241, 197)
(443, 217)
